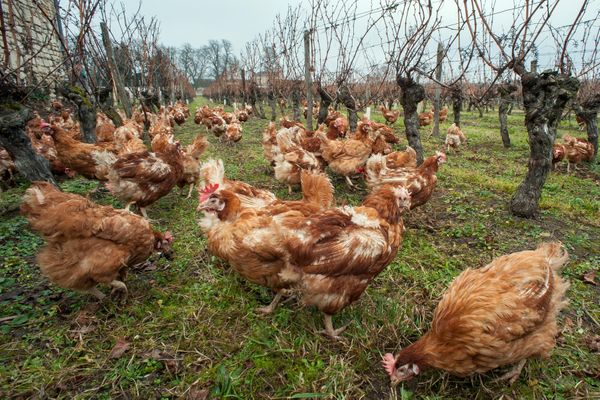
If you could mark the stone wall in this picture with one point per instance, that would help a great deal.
(34, 45)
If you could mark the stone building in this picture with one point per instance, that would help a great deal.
(31, 40)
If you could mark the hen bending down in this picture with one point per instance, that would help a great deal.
(88, 244)
(500, 314)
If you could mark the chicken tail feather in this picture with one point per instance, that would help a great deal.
(317, 189)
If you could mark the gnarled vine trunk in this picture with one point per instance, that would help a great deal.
(505, 92)
(105, 100)
(350, 103)
(86, 113)
(296, 104)
(412, 94)
(272, 104)
(457, 100)
(479, 109)
(544, 98)
(13, 137)
(325, 99)
(588, 111)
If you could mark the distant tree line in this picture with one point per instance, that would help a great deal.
(206, 63)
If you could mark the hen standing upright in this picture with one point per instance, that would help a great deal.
(334, 255)
(419, 181)
(345, 157)
(330, 256)
(143, 178)
(390, 116)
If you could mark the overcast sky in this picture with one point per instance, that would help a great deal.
(198, 21)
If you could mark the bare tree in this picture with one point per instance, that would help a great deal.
(193, 62)
(545, 94)
(585, 68)
(586, 107)
(414, 26)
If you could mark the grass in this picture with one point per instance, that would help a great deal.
(191, 323)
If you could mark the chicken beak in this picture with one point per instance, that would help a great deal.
(201, 207)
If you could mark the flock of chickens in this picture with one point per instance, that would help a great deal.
(573, 150)
(497, 315)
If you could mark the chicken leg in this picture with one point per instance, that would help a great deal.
(349, 182)
(514, 373)
(129, 206)
(118, 286)
(329, 331)
(143, 211)
(190, 192)
(271, 307)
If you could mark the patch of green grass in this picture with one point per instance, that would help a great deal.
(200, 316)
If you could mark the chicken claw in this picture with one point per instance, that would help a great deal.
(271, 307)
(513, 374)
(329, 331)
(118, 286)
(145, 214)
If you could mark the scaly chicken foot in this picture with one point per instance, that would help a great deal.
(513, 374)
(128, 206)
(144, 214)
(329, 331)
(118, 286)
(349, 182)
(271, 307)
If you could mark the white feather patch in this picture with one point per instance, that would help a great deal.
(359, 218)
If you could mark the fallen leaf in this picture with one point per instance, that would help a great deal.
(590, 278)
(593, 342)
(80, 331)
(84, 317)
(119, 349)
(170, 362)
(568, 322)
(195, 393)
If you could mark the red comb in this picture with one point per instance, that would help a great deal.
(207, 191)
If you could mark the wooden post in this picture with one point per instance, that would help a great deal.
(436, 103)
(308, 81)
(533, 66)
(244, 96)
(114, 72)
